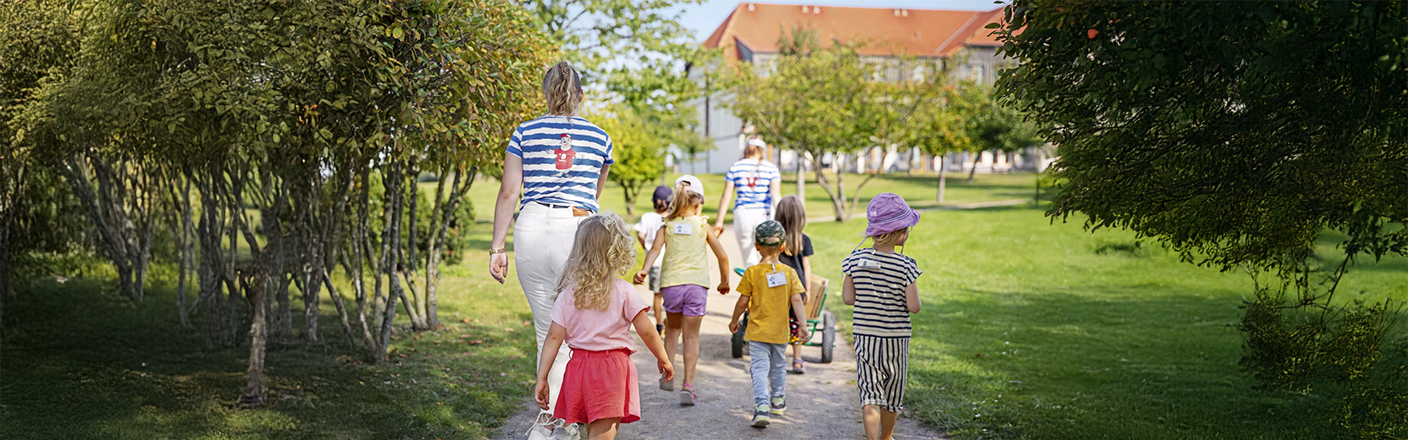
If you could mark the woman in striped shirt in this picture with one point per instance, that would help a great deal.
(757, 185)
(559, 162)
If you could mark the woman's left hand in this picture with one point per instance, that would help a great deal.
(498, 266)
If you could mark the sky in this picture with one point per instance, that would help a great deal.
(702, 19)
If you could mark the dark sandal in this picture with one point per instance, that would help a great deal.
(798, 367)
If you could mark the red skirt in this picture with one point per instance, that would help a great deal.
(599, 385)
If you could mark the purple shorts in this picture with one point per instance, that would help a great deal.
(689, 299)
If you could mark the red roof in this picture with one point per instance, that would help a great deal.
(889, 31)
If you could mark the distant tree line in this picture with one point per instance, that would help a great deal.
(827, 99)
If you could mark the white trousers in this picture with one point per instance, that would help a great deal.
(745, 220)
(542, 240)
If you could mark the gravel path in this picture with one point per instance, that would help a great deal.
(823, 403)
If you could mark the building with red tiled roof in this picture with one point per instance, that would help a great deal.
(752, 32)
(756, 28)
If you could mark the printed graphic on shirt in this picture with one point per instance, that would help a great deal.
(752, 182)
(564, 153)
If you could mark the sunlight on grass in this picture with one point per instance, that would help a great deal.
(1029, 330)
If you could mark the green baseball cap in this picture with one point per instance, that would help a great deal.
(769, 233)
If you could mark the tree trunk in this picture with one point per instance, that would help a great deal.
(254, 375)
(943, 169)
(327, 246)
(801, 178)
(275, 253)
(390, 257)
(354, 259)
(115, 229)
(6, 282)
(185, 235)
(418, 322)
(630, 198)
(974, 170)
(459, 187)
(266, 275)
(341, 308)
(13, 180)
(841, 195)
(837, 200)
(219, 312)
(856, 198)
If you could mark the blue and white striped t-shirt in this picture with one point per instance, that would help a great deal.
(562, 160)
(752, 180)
(880, 279)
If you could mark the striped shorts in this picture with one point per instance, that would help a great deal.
(882, 364)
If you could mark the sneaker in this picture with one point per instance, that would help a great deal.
(544, 428)
(761, 416)
(667, 385)
(571, 431)
(687, 396)
(779, 405)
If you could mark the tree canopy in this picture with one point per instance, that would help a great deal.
(824, 100)
(1237, 134)
(321, 117)
(1235, 131)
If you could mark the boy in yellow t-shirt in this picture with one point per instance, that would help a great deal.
(768, 289)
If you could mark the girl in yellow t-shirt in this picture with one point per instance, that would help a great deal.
(684, 276)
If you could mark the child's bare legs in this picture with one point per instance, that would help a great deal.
(879, 423)
(603, 429)
(672, 334)
(797, 352)
(691, 342)
(659, 309)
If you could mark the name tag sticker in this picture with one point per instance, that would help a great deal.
(777, 279)
(683, 229)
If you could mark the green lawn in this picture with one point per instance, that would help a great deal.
(80, 363)
(1035, 330)
(1029, 330)
(919, 190)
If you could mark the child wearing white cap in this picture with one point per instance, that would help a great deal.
(684, 276)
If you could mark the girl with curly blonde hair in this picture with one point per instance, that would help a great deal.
(593, 313)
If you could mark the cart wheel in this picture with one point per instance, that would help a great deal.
(828, 335)
(737, 340)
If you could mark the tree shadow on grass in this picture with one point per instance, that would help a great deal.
(1126, 361)
(84, 364)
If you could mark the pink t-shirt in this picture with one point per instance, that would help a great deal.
(600, 330)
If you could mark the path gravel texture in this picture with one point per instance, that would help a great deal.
(823, 403)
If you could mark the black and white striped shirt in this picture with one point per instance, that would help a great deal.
(880, 279)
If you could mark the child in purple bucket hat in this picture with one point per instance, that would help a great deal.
(880, 283)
